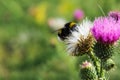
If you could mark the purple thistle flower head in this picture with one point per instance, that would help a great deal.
(106, 30)
(115, 15)
(78, 14)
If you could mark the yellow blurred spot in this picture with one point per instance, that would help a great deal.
(39, 12)
(65, 7)
(53, 41)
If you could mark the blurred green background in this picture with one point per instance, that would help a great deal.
(29, 50)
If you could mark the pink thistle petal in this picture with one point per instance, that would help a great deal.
(106, 30)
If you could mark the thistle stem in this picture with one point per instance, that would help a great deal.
(95, 62)
(101, 69)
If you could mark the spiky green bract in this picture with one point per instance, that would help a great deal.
(87, 72)
(108, 65)
(103, 51)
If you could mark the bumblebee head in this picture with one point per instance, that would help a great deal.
(64, 32)
(70, 25)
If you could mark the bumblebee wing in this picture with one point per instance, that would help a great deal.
(57, 30)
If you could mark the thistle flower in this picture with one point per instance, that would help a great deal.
(56, 23)
(115, 15)
(87, 71)
(78, 14)
(106, 30)
(80, 41)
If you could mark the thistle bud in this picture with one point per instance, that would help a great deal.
(103, 51)
(108, 65)
(87, 71)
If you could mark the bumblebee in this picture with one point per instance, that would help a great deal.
(64, 32)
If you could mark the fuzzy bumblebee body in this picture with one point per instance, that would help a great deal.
(64, 32)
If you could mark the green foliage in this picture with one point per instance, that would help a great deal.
(29, 50)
